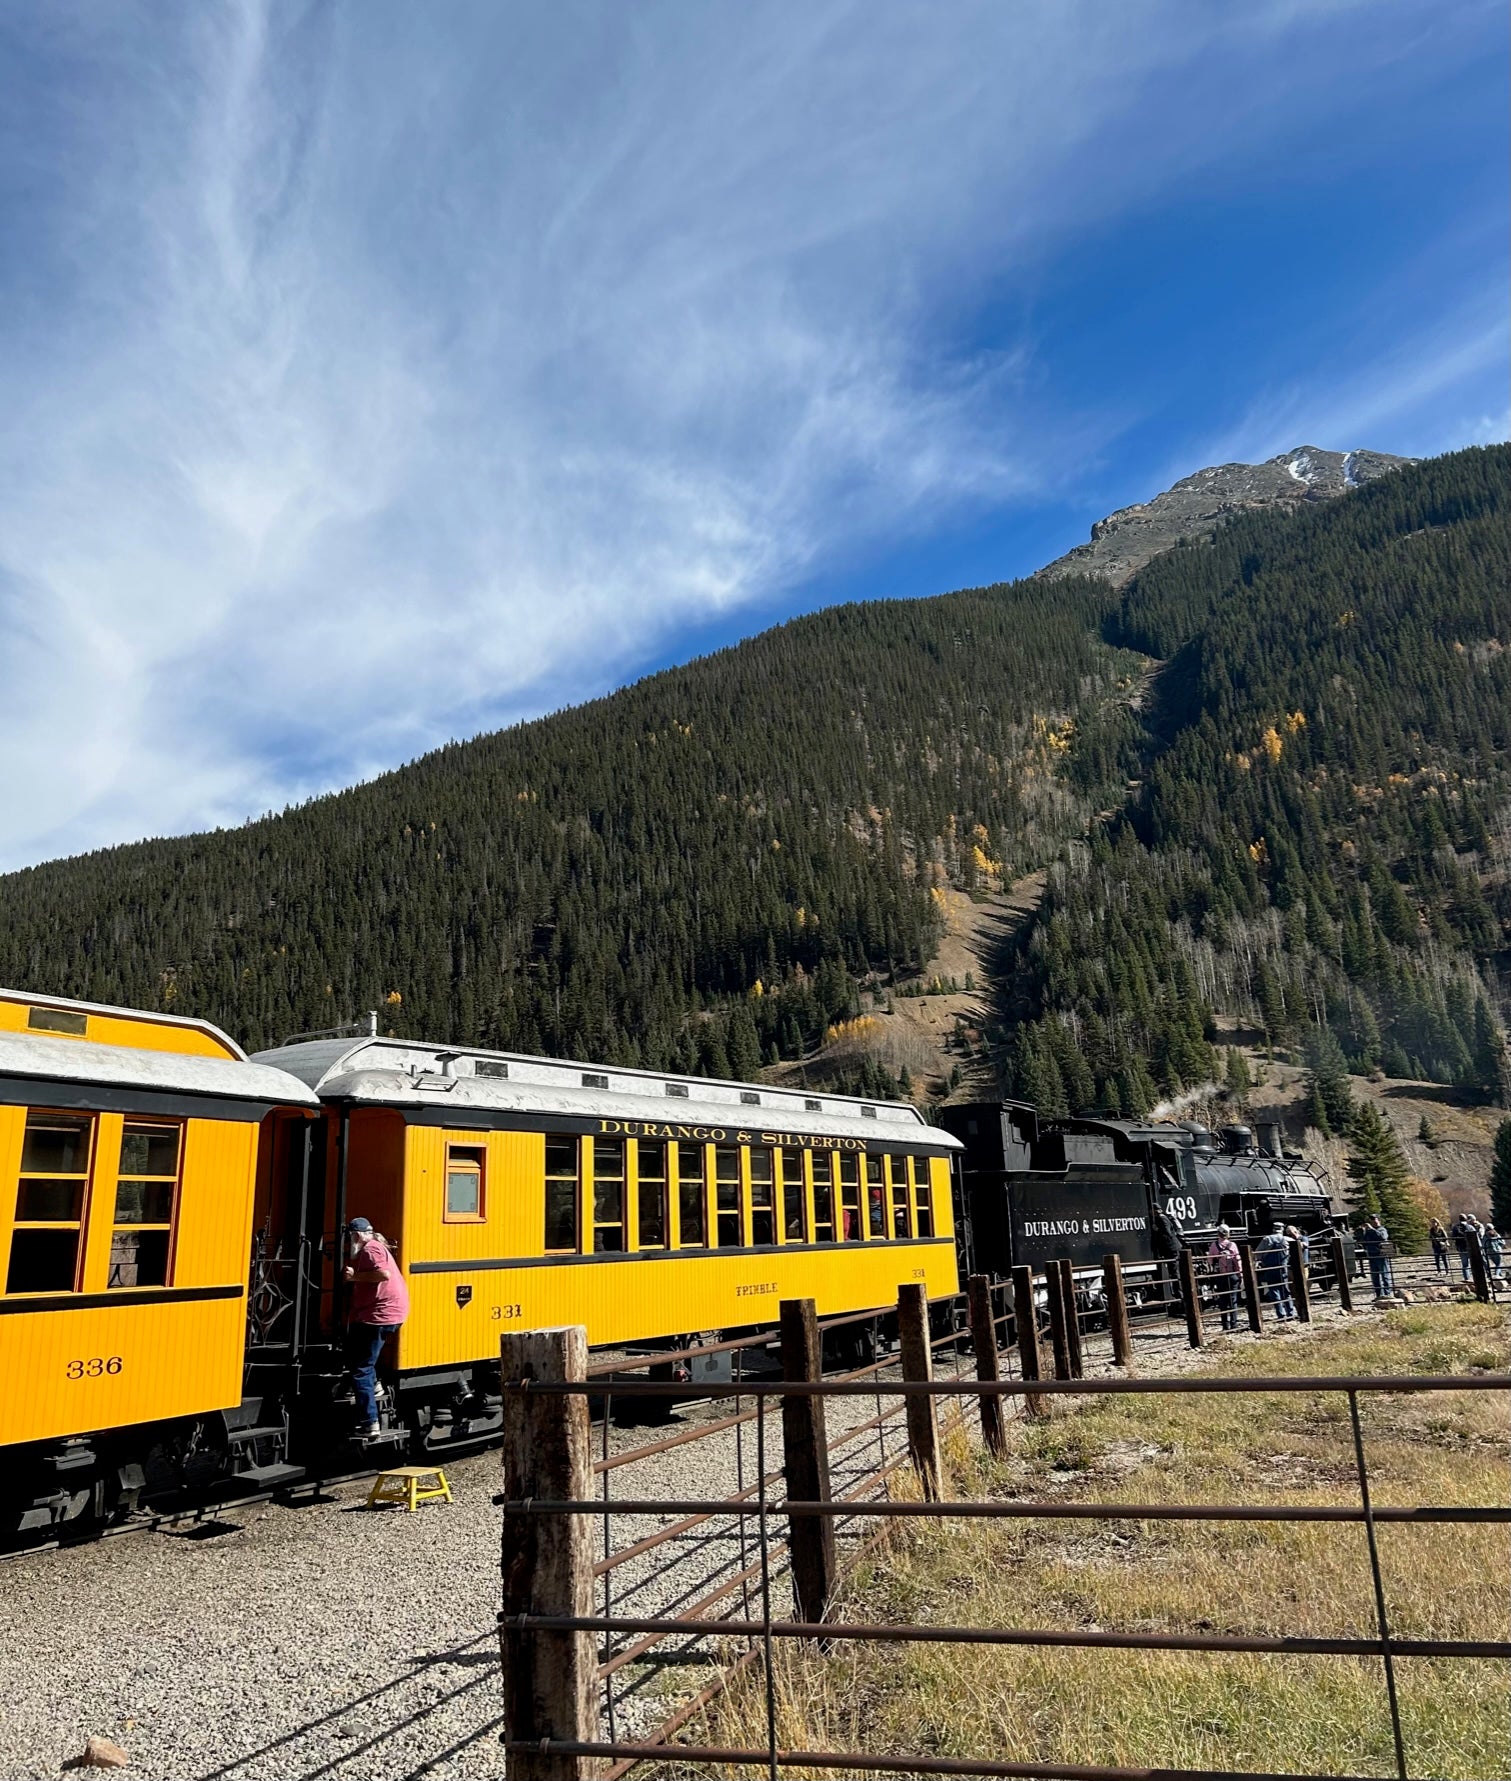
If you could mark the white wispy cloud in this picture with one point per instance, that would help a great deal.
(377, 374)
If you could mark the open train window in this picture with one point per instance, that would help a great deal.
(923, 1196)
(608, 1195)
(876, 1197)
(146, 1199)
(794, 1198)
(51, 1194)
(692, 1198)
(727, 1195)
(562, 1165)
(823, 1197)
(850, 1230)
(762, 1198)
(58, 1020)
(466, 1172)
(651, 1173)
(897, 1175)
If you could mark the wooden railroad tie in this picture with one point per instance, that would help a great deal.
(401, 1484)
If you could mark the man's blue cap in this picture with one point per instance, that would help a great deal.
(360, 1224)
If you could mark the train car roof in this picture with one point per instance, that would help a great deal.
(34, 1057)
(147, 1019)
(405, 1074)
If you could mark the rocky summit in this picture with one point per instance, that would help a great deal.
(1122, 543)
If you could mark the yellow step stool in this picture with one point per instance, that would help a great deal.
(401, 1484)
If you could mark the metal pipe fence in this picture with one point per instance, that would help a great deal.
(764, 1522)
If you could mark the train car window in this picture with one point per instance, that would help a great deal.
(50, 1198)
(608, 1195)
(466, 1167)
(727, 1195)
(692, 1198)
(651, 1174)
(794, 1199)
(58, 1020)
(849, 1200)
(762, 1198)
(823, 1197)
(923, 1196)
(146, 1193)
(897, 1177)
(876, 1197)
(562, 1166)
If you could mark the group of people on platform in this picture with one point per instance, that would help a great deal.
(1467, 1234)
(1272, 1260)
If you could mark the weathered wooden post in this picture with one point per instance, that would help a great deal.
(1340, 1274)
(1195, 1335)
(1478, 1272)
(550, 1678)
(918, 1369)
(1026, 1327)
(1117, 1310)
(1059, 1336)
(1250, 1287)
(1072, 1318)
(1301, 1285)
(805, 1442)
(984, 1339)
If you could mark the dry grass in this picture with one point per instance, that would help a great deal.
(1196, 1710)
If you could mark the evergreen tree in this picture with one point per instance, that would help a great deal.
(1329, 1085)
(1382, 1182)
(1500, 1179)
(1236, 1075)
(1487, 1069)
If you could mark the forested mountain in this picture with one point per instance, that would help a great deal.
(1321, 831)
(1268, 777)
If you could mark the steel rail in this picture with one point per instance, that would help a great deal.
(1007, 1509)
(893, 1765)
(949, 1388)
(906, 1634)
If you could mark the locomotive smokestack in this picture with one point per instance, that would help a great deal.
(1270, 1140)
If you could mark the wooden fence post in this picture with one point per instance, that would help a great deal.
(1026, 1327)
(1478, 1272)
(805, 1442)
(1250, 1287)
(1301, 1286)
(550, 1678)
(984, 1337)
(1340, 1274)
(1117, 1310)
(1054, 1287)
(1195, 1335)
(918, 1368)
(1072, 1318)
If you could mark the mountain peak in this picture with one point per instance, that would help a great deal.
(1196, 505)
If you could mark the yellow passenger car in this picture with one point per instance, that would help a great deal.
(128, 1159)
(527, 1192)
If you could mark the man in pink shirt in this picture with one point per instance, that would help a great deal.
(379, 1304)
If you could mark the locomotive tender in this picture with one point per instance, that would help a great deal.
(173, 1216)
(1036, 1190)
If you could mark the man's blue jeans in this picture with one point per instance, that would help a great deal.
(1380, 1275)
(364, 1343)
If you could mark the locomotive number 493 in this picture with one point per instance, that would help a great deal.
(1180, 1207)
(95, 1367)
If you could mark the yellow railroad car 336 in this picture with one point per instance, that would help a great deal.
(128, 1159)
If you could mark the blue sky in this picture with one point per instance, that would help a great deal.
(374, 375)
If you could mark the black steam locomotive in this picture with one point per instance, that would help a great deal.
(1036, 1189)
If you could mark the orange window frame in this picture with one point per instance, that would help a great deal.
(143, 1227)
(79, 1226)
(473, 1160)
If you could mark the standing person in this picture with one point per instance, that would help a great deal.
(1463, 1236)
(380, 1303)
(1375, 1239)
(1226, 1267)
(1439, 1245)
(1270, 1257)
(1493, 1250)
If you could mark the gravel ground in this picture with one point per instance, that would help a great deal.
(296, 1642)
